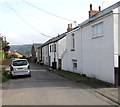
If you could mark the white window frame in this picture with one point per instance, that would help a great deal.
(73, 42)
(50, 48)
(97, 30)
(74, 61)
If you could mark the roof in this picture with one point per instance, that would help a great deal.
(55, 39)
(36, 45)
(17, 52)
(16, 59)
(103, 12)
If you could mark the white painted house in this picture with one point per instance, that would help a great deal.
(45, 55)
(91, 48)
(52, 51)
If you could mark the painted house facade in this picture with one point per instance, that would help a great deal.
(52, 51)
(34, 51)
(45, 55)
(39, 54)
(91, 48)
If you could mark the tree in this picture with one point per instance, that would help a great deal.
(4, 45)
(13, 56)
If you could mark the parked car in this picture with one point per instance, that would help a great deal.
(20, 67)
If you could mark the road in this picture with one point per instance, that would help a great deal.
(48, 88)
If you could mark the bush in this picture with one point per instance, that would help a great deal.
(4, 79)
(3, 74)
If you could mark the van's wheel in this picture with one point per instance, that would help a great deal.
(29, 75)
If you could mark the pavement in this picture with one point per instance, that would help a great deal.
(112, 93)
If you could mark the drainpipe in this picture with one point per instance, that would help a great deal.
(54, 51)
(81, 50)
(54, 56)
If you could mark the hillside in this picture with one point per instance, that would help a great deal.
(23, 49)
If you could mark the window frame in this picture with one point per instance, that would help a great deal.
(74, 61)
(55, 47)
(50, 48)
(99, 30)
(73, 42)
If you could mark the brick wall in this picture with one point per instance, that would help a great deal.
(6, 62)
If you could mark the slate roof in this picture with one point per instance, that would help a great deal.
(36, 45)
(57, 38)
(103, 12)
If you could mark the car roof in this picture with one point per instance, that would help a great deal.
(19, 59)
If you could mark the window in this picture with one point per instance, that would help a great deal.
(74, 62)
(50, 48)
(20, 63)
(73, 42)
(46, 50)
(54, 47)
(98, 30)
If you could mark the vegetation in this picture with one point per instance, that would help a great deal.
(12, 56)
(23, 49)
(83, 78)
(4, 47)
(3, 74)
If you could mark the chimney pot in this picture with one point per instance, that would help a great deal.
(90, 6)
(99, 8)
(93, 12)
(69, 27)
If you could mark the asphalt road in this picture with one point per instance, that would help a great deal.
(47, 88)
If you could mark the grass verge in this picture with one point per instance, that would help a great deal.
(3, 75)
(83, 78)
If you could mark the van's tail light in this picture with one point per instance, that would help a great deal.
(28, 66)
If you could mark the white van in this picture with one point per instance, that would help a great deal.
(20, 67)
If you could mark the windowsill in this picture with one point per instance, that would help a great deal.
(72, 49)
(97, 36)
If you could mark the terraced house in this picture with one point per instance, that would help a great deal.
(90, 48)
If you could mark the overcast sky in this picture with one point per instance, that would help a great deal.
(23, 21)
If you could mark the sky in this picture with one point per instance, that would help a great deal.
(36, 21)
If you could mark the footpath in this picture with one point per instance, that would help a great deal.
(107, 90)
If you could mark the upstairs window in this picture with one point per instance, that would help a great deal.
(54, 47)
(98, 30)
(50, 48)
(73, 42)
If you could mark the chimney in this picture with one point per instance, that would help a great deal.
(93, 12)
(99, 8)
(69, 27)
(90, 6)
